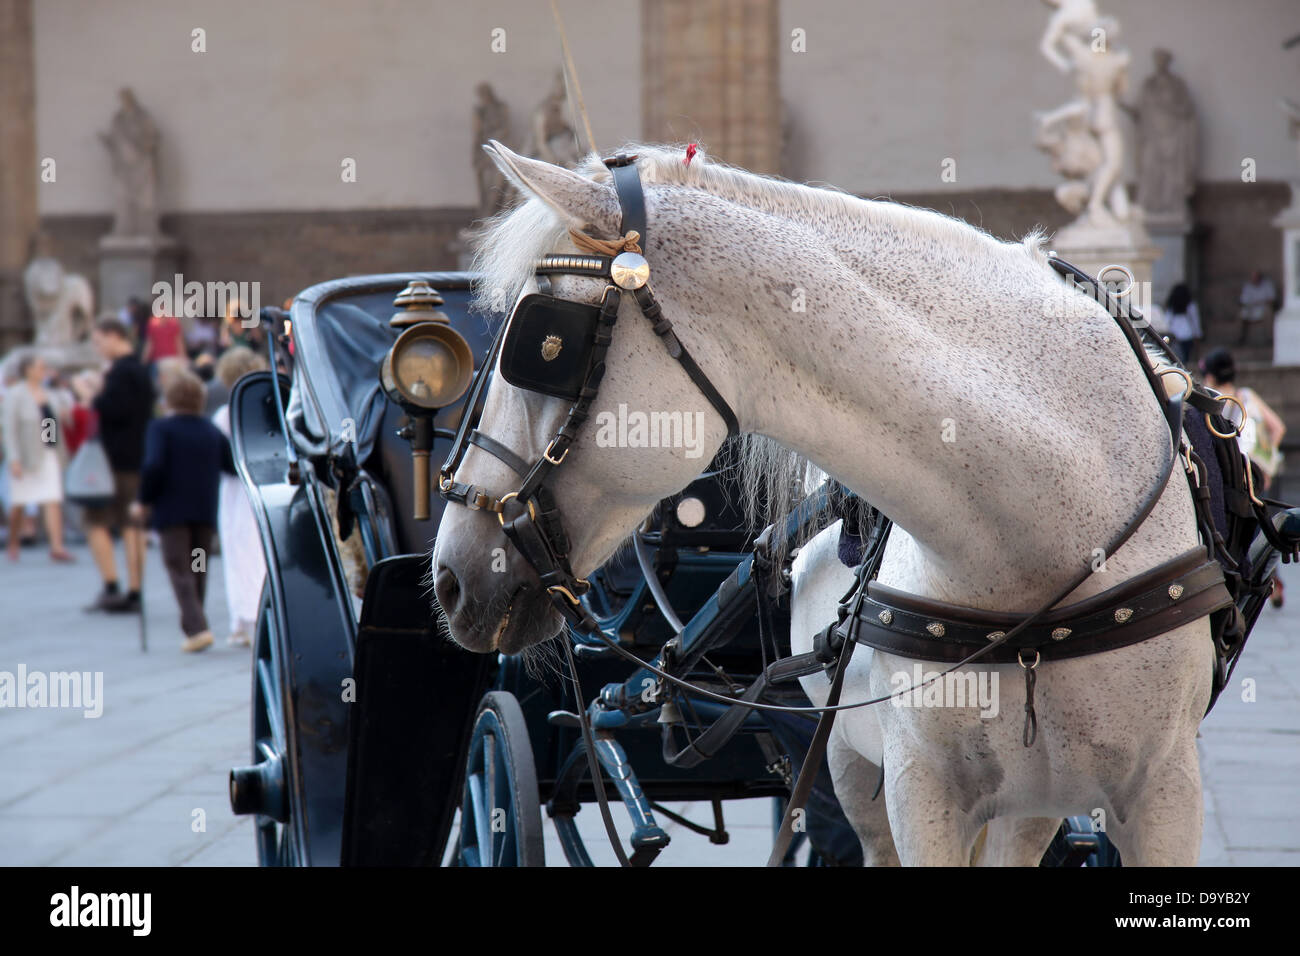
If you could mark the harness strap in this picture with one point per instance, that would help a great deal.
(451, 489)
(664, 329)
(499, 451)
(1159, 600)
(631, 198)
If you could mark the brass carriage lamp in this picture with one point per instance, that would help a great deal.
(429, 367)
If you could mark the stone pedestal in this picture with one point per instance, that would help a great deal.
(1170, 235)
(130, 265)
(1286, 324)
(1092, 248)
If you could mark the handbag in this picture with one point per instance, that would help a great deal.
(88, 480)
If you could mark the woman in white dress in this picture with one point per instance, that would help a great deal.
(241, 546)
(33, 451)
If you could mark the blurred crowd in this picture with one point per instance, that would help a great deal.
(1179, 316)
(136, 453)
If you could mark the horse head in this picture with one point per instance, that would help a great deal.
(646, 432)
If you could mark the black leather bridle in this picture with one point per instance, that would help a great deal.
(537, 527)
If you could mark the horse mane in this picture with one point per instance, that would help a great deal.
(508, 245)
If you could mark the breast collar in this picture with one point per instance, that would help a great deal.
(537, 527)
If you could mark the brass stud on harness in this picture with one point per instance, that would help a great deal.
(1061, 633)
(1175, 591)
(551, 346)
(1123, 614)
(935, 628)
(629, 270)
(886, 617)
(995, 635)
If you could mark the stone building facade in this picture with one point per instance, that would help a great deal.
(869, 95)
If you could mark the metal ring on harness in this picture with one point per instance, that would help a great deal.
(1187, 378)
(1020, 656)
(1233, 434)
(1116, 267)
(501, 515)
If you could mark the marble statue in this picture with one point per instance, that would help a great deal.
(552, 137)
(1166, 142)
(1070, 16)
(1082, 44)
(491, 121)
(1292, 111)
(1075, 154)
(62, 304)
(132, 144)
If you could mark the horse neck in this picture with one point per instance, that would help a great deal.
(927, 375)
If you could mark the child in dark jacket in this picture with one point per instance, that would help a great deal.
(183, 459)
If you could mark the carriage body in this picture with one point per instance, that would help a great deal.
(364, 713)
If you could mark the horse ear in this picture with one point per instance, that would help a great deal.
(579, 201)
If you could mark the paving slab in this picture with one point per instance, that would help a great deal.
(123, 788)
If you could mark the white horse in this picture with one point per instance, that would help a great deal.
(953, 380)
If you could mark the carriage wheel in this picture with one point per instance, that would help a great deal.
(262, 788)
(501, 815)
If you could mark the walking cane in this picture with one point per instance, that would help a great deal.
(137, 520)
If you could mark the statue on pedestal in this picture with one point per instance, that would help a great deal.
(552, 138)
(491, 121)
(132, 144)
(1080, 43)
(1166, 143)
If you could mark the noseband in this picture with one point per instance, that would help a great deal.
(545, 327)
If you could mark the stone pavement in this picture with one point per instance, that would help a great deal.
(145, 783)
(122, 788)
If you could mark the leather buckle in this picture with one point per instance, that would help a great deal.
(547, 454)
(561, 589)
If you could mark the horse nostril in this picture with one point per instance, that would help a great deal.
(446, 586)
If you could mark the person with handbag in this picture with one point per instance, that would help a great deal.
(82, 425)
(124, 407)
(33, 416)
(185, 455)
